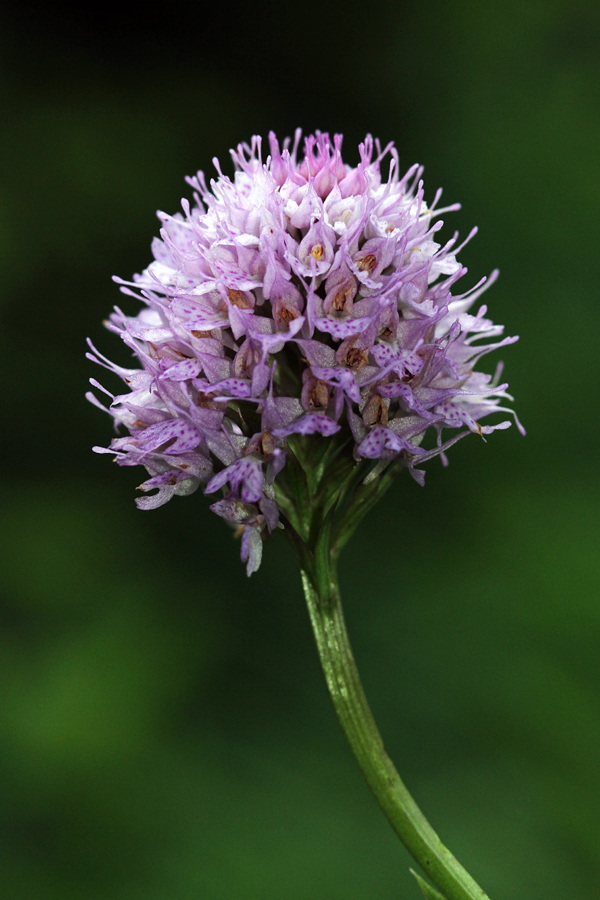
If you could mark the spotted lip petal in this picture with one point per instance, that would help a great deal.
(301, 297)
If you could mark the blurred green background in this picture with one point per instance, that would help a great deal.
(164, 730)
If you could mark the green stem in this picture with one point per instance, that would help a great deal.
(324, 605)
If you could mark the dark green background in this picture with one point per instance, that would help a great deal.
(165, 732)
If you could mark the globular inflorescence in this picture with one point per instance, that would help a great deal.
(301, 297)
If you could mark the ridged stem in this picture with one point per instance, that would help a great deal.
(358, 724)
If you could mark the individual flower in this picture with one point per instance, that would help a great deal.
(302, 297)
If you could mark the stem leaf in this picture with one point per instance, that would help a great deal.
(428, 892)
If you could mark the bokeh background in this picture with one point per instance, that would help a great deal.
(165, 733)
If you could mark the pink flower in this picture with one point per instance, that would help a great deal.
(303, 296)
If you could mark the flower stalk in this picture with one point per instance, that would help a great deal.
(362, 734)
(321, 526)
